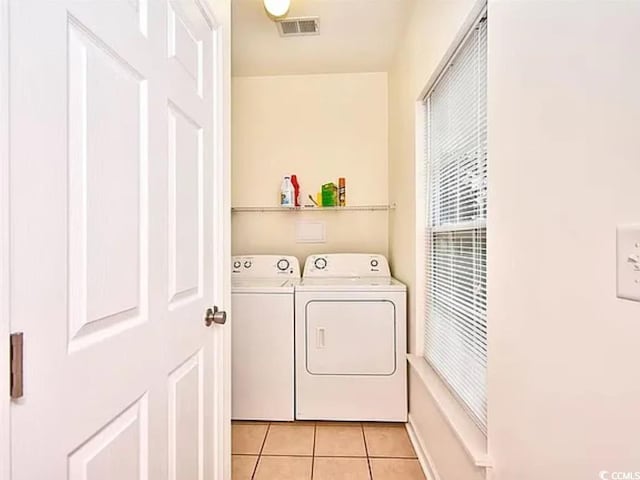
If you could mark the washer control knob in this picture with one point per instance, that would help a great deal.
(237, 264)
(247, 264)
(373, 263)
(320, 263)
(283, 264)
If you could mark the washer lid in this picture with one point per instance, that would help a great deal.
(261, 285)
(351, 284)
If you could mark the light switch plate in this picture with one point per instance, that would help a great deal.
(628, 258)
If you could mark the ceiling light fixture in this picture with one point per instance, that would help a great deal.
(277, 8)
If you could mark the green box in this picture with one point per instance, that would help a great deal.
(329, 195)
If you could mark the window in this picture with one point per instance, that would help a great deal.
(455, 341)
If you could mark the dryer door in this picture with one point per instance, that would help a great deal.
(350, 337)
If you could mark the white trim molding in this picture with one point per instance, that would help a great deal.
(467, 432)
(426, 462)
(419, 291)
(5, 327)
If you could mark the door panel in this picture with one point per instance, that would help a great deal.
(118, 450)
(113, 242)
(186, 420)
(185, 45)
(107, 165)
(185, 207)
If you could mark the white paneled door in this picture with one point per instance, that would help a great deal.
(115, 239)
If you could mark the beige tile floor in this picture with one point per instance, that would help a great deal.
(323, 451)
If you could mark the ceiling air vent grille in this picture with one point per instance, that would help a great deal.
(295, 27)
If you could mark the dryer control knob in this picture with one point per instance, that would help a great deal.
(374, 263)
(237, 264)
(247, 264)
(283, 264)
(320, 263)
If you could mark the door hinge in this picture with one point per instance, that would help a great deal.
(17, 379)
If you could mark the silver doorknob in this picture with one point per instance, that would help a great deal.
(214, 315)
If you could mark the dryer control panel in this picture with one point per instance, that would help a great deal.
(346, 265)
(265, 266)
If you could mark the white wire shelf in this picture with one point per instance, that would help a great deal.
(353, 208)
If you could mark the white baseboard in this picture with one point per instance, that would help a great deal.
(424, 458)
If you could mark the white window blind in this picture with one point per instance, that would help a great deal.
(455, 342)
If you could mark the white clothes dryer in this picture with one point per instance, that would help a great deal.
(350, 318)
(262, 336)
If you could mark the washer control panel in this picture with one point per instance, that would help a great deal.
(265, 266)
(346, 265)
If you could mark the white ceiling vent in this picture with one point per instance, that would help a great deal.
(295, 27)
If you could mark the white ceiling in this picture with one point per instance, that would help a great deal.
(355, 36)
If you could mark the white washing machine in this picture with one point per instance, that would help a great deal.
(350, 340)
(262, 336)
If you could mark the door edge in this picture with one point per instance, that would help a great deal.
(220, 12)
(5, 402)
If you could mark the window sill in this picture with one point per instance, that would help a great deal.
(473, 440)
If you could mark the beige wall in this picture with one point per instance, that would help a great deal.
(319, 127)
(430, 32)
(564, 124)
(432, 28)
(564, 106)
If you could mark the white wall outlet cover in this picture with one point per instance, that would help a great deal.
(628, 261)
(310, 232)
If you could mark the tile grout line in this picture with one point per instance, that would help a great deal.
(299, 455)
(264, 440)
(366, 451)
(313, 452)
(293, 455)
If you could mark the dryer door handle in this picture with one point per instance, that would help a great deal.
(320, 337)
